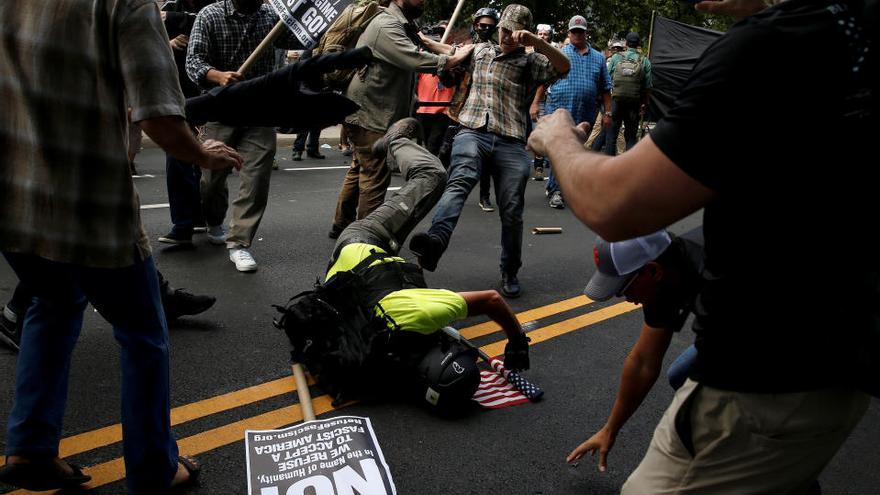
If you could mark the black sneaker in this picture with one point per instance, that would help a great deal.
(510, 286)
(178, 302)
(10, 332)
(297, 156)
(408, 128)
(315, 154)
(176, 238)
(428, 248)
(486, 205)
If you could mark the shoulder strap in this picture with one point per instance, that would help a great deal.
(369, 260)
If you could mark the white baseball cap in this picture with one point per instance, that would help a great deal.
(617, 261)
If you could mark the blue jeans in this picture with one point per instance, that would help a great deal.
(510, 172)
(680, 368)
(184, 197)
(129, 299)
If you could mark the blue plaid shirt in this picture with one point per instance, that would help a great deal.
(579, 92)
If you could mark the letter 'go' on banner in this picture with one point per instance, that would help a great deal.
(308, 19)
(323, 457)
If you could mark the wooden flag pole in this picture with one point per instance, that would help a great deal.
(302, 390)
(452, 21)
(268, 40)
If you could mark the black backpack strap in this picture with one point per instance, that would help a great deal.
(369, 260)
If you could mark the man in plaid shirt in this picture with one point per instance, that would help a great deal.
(493, 121)
(70, 224)
(224, 35)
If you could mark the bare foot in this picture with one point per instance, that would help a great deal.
(183, 475)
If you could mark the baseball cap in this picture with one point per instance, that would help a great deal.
(515, 17)
(616, 261)
(633, 39)
(577, 22)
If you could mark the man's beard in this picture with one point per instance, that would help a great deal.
(248, 6)
(412, 12)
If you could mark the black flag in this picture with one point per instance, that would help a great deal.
(675, 49)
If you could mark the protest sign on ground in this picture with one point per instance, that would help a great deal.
(323, 457)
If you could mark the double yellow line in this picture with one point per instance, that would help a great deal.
(114, 470)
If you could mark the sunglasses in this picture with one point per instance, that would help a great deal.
(486, 27)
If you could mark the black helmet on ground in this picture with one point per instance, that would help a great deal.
(449, 377)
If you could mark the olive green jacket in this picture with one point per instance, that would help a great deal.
(386, 88)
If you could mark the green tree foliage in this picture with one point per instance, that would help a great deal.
(606, 18)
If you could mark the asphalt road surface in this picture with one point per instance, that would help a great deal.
(230, 367)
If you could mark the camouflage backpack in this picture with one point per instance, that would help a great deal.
(343, 35)
(628, 78)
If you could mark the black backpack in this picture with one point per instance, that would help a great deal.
(334, 330)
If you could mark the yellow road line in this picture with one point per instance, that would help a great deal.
(114, 470)
(109, 435)
(527, 316)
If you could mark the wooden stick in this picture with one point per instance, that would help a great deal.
(546, 230)
(302, 390)
(268, 40)
(452, 21)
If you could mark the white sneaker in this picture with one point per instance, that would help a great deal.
(243, 259)
(217, 235)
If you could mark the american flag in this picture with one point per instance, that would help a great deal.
(501, 388)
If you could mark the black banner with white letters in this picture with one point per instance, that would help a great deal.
(308, 19)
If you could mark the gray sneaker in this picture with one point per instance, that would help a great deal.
(408, 128)
(556, 200)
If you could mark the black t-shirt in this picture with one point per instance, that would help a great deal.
(778, 119)
(674, 303)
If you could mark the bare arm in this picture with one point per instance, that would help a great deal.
(435, 46)
(558, 60)
(640, 372)
(619, 197)
(606, 104)
(173, 135)
(536, 103)
(491, 304)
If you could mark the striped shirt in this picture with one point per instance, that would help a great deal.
(66, 66)
(223, 38)
(503, 88)
(579, 92)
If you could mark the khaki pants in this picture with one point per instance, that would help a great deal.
(364, 186)
(719, 442)
(257, 146)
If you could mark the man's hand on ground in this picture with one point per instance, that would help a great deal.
(516, 354)
(602, 442)
(218, 156)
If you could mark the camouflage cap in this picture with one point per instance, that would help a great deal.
(516, 17)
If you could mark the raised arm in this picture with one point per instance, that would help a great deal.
(640, 372)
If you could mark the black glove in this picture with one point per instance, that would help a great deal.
(516, 354)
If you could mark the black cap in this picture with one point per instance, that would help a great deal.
(633, 39)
